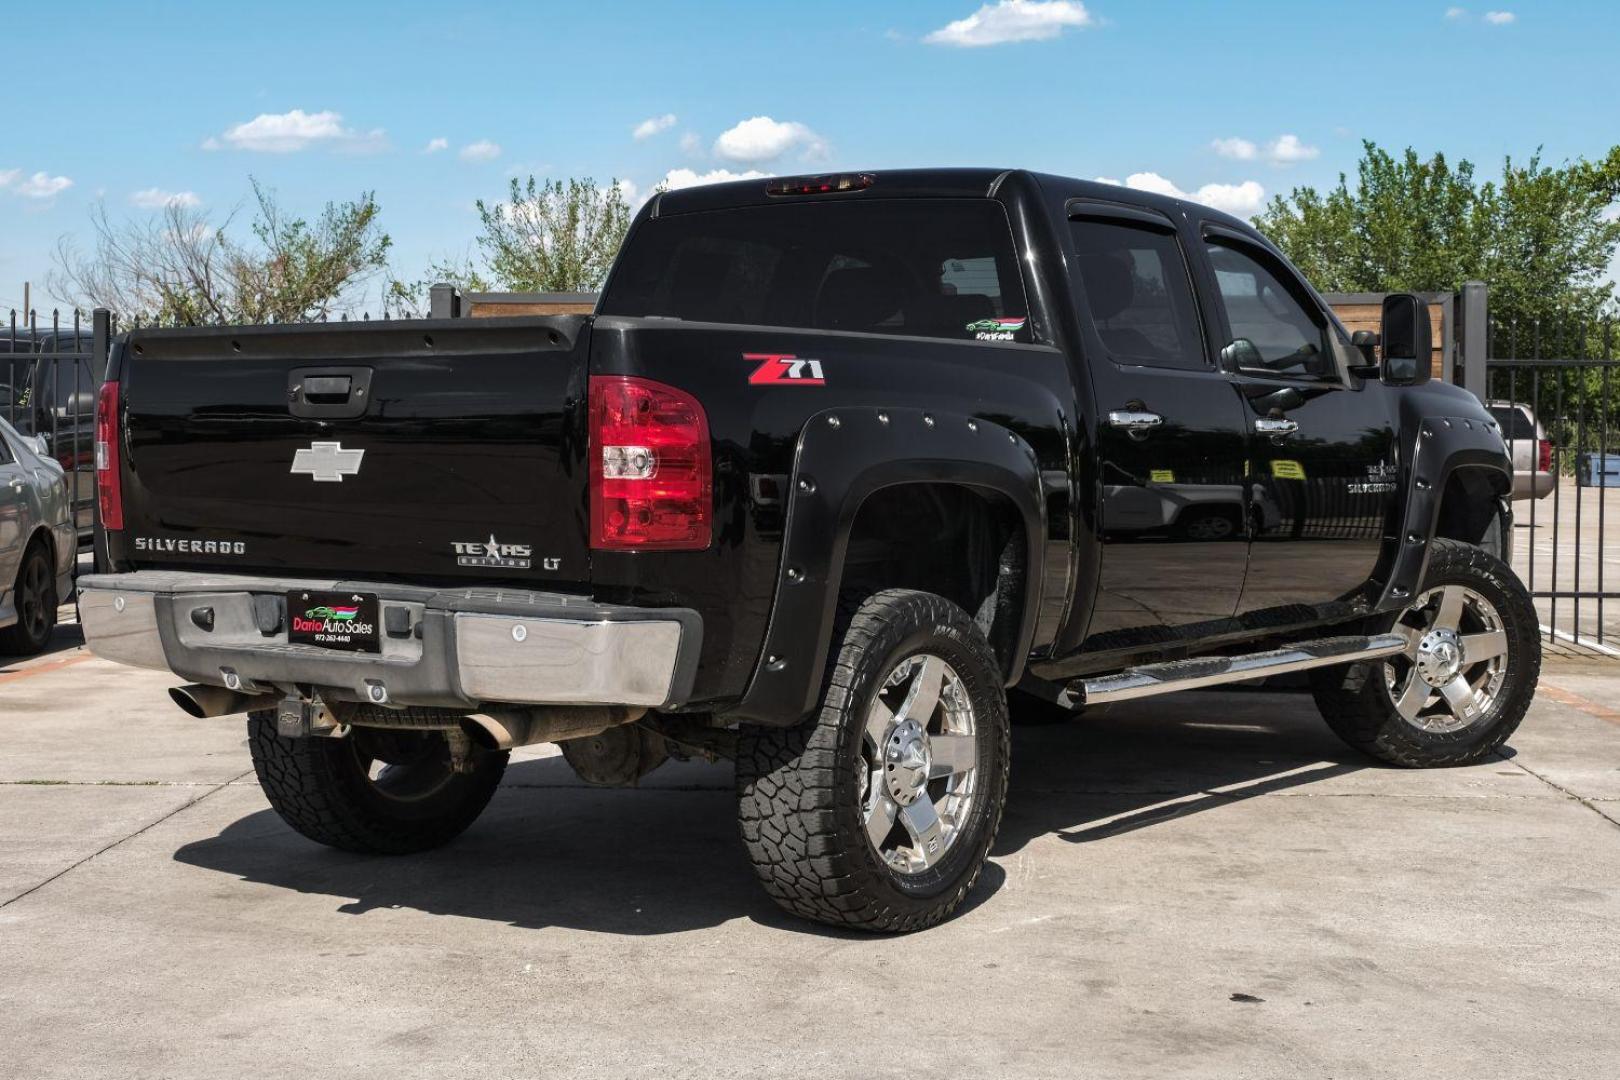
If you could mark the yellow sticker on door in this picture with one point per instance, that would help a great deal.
(1284, 469)
(1161, 476)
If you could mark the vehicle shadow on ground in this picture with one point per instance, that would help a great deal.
(1151, 762)
(65, 637)
(666, 857)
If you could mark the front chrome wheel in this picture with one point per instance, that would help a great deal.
(1455, 661)
(918, 764)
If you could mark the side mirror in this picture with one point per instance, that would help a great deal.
(1240, 354)
(1407, 338)
(38, 445)
(80, 406)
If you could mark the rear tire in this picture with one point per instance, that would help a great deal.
(878, 812)
(333, 791)
(36, 602)
(1436, 704)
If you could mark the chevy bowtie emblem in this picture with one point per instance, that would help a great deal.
(327, 462)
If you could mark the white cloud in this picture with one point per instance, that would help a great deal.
(1235, 148)
(435, 145)
(1495, 18)
(760, 139)
(284, 133)
(691, 143)
(1239, 200)
(156, 198)
(676, 179)
(653, 125)
(42, 186)
(1009, 21)
(1288, 150)
(7, 176)
(482, 150)
(629, 189)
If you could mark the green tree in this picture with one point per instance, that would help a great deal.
(554, 235)
(179, 266)
(1542, 238)
(546, 236)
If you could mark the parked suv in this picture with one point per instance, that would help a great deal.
(838, 462)
(1528, 446)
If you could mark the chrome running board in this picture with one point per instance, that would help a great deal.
(1150, 680)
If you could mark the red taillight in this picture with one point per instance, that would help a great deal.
(651, 478)
(1543, 455)
(109, 486)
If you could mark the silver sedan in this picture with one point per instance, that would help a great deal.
(38, 544)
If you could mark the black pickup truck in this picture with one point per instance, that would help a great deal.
(838, 463)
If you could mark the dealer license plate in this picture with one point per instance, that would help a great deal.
(334, 620)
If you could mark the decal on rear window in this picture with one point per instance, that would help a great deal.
(996, 329)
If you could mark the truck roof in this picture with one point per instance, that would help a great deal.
(919, 184)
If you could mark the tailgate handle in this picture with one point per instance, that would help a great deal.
(324, 388)
(328, 393)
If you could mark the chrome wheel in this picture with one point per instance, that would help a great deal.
(918, 764)
(1452, 671)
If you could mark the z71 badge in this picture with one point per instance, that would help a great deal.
(784, 369)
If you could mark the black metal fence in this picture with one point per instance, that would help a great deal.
(1554, 386)
(50, 372)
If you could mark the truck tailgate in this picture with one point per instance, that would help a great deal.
(427, 450)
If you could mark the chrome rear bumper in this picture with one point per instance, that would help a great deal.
(449, 648)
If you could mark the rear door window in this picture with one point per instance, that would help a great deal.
(927, 267)
(1138, 294)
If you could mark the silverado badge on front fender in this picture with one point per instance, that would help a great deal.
(327, 462)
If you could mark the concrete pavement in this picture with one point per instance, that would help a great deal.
(1201, 886)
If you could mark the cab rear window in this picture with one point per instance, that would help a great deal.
(927, 267)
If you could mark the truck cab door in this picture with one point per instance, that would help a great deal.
(1321, 478)
(1168, 430)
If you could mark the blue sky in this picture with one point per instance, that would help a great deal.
(435, 105)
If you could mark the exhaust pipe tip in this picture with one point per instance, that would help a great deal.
(203, 702)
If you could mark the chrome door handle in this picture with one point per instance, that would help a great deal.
(1275, 427)
(1135, 421)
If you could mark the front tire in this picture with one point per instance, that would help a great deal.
(1466, 679)
(878, 812)
(374, 791)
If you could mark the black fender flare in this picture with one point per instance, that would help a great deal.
(1439, 446)
(844, 456)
